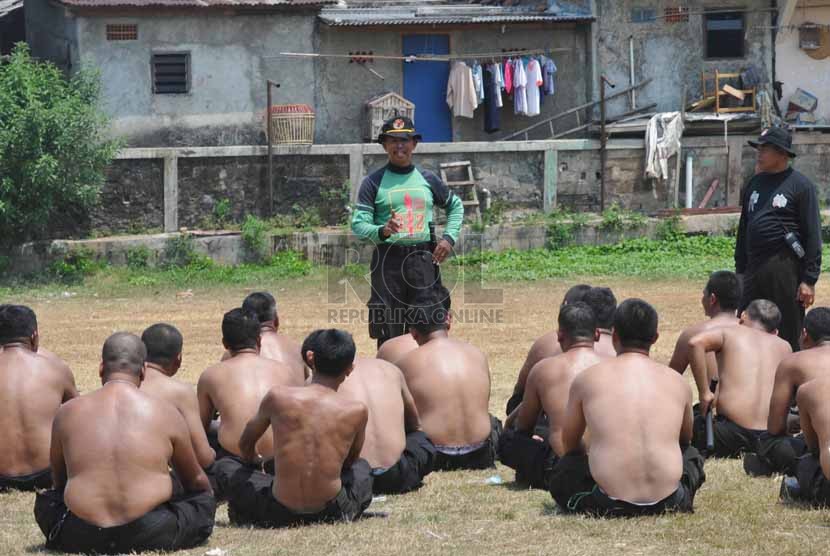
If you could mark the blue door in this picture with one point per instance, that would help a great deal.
(425, 84)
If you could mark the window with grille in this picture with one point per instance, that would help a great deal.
(171, 73)
(643, 15)
(122, 32)
(676, 15)
(724, 35)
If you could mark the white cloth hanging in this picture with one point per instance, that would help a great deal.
(663, 134)
(461, 94)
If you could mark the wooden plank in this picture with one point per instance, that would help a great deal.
(551, 178)
(730, 90)
(735, 170)
(709, 193)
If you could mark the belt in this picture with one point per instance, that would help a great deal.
(403, 248)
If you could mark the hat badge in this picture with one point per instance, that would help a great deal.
(764, 132)
(398, 124)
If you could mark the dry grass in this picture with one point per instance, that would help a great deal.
(455, 513)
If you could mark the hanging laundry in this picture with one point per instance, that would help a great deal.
(461, 94)
(499, 84)
(478, 80)
(548, 74)
(519, 87)
(534, 81)
(508, 76)
(492, 114)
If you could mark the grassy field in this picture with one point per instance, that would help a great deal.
(456, 512)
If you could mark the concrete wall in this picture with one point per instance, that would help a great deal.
(672, 54)
(798, 70)
(231, 56)
(51, 32)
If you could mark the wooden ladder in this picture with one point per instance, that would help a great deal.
(465, 187)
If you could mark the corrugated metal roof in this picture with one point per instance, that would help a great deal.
(8, 6)
(443, 15)
(195, 3)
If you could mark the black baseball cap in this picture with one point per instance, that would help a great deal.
(776, 136)
(399, 126)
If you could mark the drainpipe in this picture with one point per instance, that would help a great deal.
(631, 71)
(689, 180)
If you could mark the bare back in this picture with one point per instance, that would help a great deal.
(450, 381)
(315, 433)
(235, 388)
(117, 442)
(815, 419)
(32, 388)
(638, 411)
(183, 397)
(550, 380)
(378, 385)
(282, 349)
(746, 366)
(395, 348)
(793, 371)
(680, 358)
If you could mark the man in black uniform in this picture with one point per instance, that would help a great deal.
(394, 211)
(778, 248)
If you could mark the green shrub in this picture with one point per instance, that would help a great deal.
(138, 257)
(616, 219)
(222, 213)
(255, 237)
(54, 146)
(562, 227)
(669, 229)
(180, 251)
(73, 266)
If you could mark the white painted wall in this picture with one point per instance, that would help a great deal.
(796, 69)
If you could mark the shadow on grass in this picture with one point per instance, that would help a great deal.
(551, 509)
(39, 549)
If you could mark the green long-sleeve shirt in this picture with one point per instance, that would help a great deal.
(411, 193)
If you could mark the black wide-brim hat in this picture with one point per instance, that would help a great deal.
(777, 137)
(399, 126)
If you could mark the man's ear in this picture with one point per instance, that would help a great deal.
(656, 337)
(597, 334)
(177, 363)
(35, 339)
(101, 372)
(349, 370)
(277, 322)
(258, 344)
(225, 345)
(142, 373)
(309, 359)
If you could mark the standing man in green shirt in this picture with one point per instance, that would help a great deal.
(394, 211)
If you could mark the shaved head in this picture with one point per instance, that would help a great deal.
(123, 353)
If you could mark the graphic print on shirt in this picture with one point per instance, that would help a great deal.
(413, 220)
(753, 200)
(779, 201)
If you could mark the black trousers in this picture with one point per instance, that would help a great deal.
(403, 278)
(32, 481)
(814, 487)
(575, 490)
(482, 458)
(183, 522)
(777, 280)
(731, 440)
(532, 460)
(417, 461)
(251, 497)
(781, 453)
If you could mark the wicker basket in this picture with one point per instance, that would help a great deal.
(292, 124)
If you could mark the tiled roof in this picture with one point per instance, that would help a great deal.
(196, 3)
(443, 14)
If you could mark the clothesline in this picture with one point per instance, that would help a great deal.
(426, 57)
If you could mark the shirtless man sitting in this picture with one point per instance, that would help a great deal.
(395, 348)
(546, 345)
(547, 391)
(748, 356)
(273, 345)
(450, 382)
(720, 300)
(318, 436)
(32, 388)
(399, 452)
(637, 464)
(163, 343)
(235, 387)
(110, 453)
(778, 451)
(812, 471)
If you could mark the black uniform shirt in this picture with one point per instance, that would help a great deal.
(773, 205)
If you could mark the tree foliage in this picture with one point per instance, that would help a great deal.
(54, 147)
